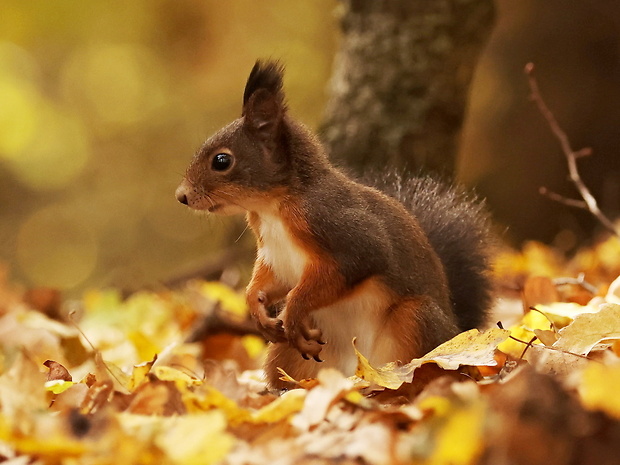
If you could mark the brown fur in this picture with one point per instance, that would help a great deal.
(336, 259)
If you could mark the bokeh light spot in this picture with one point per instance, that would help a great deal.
(19, 99)
(56, 250)
(118, 84)
(56, 156)
(18, 117)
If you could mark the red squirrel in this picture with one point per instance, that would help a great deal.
(338, 259)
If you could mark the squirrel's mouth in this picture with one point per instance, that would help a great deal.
(214, 208)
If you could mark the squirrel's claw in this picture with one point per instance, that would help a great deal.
(315, 357)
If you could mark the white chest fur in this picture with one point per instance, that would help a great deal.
(279, 251)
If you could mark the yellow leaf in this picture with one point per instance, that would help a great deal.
(199, 438)
(471, 348)
(254, 345)
(57, 386)
(209, 398)
(587, 330)
(599, 388)
(180, 378)
(54, 446)
(514, 347)
(459, 435)
(196, 439)
(139, 374)
(563, 313)
(145, 346)
(231, 301)
(525, 331)
(390, 376)
(282, 408)
(534, 319)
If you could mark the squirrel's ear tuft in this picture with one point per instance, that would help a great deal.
(266, 76)
(263, 100)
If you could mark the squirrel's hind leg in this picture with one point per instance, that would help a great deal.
(282, 355)
(413, 327)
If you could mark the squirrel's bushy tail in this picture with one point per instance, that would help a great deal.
(458, 228)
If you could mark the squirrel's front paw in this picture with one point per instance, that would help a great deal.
(308, 341)
(271, 328)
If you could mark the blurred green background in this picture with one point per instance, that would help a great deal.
(103, 103)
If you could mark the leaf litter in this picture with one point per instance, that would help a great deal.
(117, 381)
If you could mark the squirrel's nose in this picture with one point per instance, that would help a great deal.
(181, 195)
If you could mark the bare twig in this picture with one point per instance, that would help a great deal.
(589, 202)
(578, 281)
(564, 200)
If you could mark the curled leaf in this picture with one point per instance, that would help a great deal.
(589, 329)
(471, 348)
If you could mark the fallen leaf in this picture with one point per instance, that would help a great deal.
(589, 329)
(613, 293)
(282, 408)
(539, 290)
(157, 397)
(332, 387)
(599, 388)
(391, 375)
(460, 439)
(57, 371)
(57, 386)
(470, 348)
(138, 375)
(22, 389)
(198, 438)
(230, 300)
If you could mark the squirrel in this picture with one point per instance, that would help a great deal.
(402, 266)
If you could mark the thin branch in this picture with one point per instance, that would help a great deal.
(578, 281)
(561, 199)
(571, 155)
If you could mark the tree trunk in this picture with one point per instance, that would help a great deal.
(400, 81)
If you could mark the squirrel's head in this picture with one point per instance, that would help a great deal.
(247, 161)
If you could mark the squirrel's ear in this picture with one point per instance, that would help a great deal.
(263, 114)
(263, 100)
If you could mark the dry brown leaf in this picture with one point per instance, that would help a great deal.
(539, 290)
(57, 371)
(157, 397)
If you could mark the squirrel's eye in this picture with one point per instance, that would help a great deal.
(222, 161)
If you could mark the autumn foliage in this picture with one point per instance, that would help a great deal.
(110, 380)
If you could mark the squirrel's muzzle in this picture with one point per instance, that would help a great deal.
(181, 194)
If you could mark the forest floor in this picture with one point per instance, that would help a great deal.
(109, 379)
